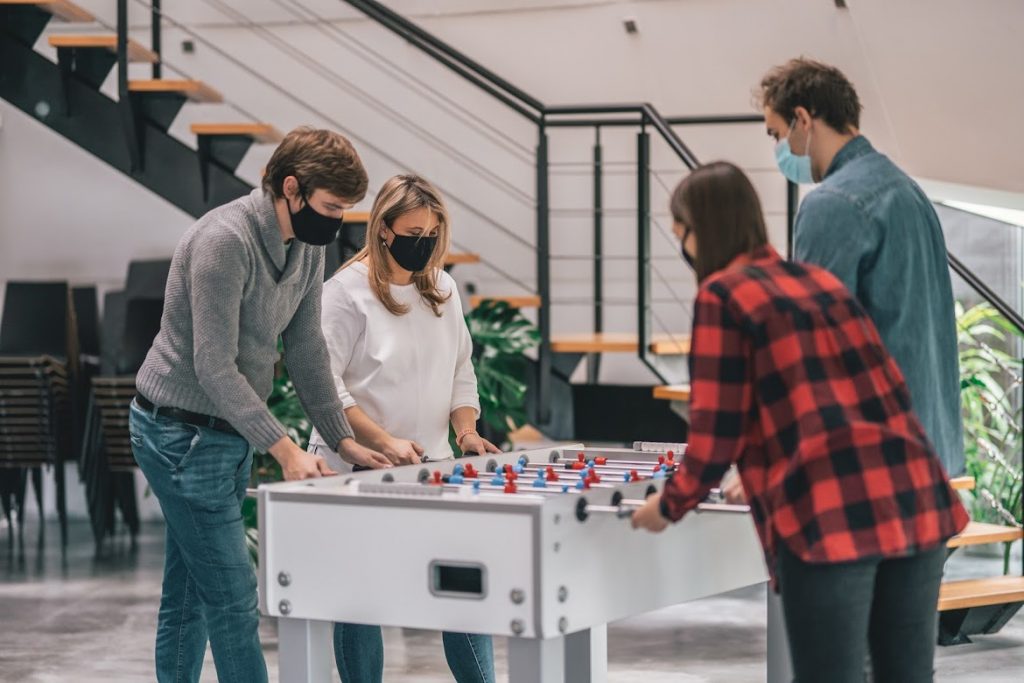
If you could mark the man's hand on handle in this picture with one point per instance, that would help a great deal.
(297, 464)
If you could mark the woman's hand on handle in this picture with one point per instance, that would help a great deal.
(648, 516)
(474, 443)
(357, 454)
(401, 451)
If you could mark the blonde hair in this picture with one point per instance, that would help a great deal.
(400, 195)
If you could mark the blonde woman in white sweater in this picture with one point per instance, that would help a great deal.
(400, 354)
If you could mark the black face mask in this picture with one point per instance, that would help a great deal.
(690, 261)
(312, 227)
(412, 252)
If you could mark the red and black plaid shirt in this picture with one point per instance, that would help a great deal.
(790, 381)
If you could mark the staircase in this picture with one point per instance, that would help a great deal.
(978, 606)
(131, 134)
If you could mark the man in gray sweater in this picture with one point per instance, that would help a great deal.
(246, 274)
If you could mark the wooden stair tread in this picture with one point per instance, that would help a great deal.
(673, 392)
(108, 41)
(962, 483)
(457, 257)
(263, 133)
(62, 9)
(618, 342)
(524, 301)
(197, 91)
(995, 590)
(979, 533)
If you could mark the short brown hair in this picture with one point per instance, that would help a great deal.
(719, 205)
(319, 159)
(821, 89)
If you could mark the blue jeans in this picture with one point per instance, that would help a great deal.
(359, 654)
(199, 475)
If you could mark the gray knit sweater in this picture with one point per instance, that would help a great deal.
(232, 291)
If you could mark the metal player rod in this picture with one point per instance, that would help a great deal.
(609, 462)
(625, 508)
(611, 473)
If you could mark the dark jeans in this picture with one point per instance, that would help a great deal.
(199, 476)
(836, 614)
(359, 654)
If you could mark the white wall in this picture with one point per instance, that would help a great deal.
(939, 80)
(64, 214)
(941, 112)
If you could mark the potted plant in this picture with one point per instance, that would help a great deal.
(989, 377)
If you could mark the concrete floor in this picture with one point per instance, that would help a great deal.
(89, 619)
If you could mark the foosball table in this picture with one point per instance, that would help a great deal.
(532, 545)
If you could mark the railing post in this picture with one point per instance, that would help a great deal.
(122, 49)
(543, 280)
(129, 122)
(594, 360)
(792, 201)
(643, 242)
(156, 19)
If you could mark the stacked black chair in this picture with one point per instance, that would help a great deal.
(131, 320)
(38, 368)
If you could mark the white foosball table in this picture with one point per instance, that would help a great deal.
(532, 545)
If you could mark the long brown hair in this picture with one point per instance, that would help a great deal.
(718, 204)
(400, 195)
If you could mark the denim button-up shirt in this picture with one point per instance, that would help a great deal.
(874, 228)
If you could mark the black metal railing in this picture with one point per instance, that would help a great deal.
(641, 116)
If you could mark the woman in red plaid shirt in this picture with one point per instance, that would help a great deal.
(791, 383)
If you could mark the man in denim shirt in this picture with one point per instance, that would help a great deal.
(874, 228)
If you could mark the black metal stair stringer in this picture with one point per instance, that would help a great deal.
(35, 85)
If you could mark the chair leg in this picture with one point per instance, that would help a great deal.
(20, 494)
(37, 486)
(7, 503)
(62, 504)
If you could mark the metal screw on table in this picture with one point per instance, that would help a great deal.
(285, 607)
(284, 578)
(518, 596)
(563, 625)
(563, 594)
(558, 546)
(517, 627)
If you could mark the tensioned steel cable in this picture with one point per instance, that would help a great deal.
(361, 140)
(340, 81)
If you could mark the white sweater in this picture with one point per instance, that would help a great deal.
(407, 372)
